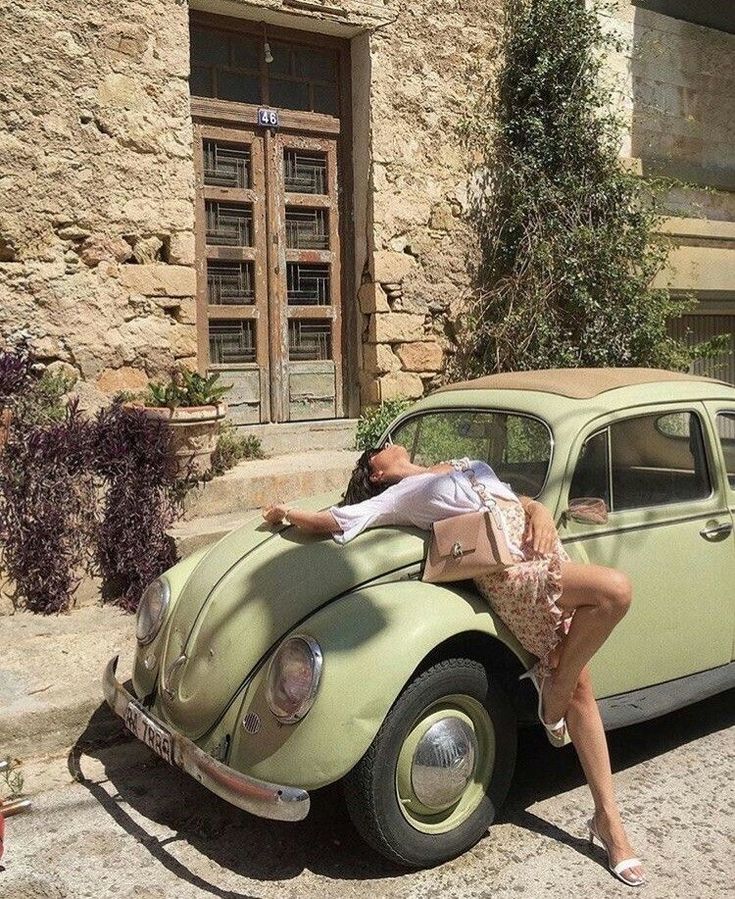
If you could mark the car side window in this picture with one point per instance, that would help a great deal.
(658, 459)
(649, 460)
(726, 432)
(592, 474)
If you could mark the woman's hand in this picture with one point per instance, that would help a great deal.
(275, 514)
(540, 529)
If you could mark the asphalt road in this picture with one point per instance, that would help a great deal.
(114, 821)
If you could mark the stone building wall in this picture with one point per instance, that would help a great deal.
(96, 214)
(427, 69)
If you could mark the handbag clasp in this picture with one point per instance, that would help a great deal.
(457, 551)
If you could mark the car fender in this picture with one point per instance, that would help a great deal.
(372, 640)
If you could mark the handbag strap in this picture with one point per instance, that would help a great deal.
(488, 500)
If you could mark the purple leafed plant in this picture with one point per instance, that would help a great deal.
(15, 373)
(47, 509)
(139, 502)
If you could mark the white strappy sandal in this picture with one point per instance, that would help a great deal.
(556, 732)
(625, 865)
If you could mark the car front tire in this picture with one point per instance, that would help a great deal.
(438, 769)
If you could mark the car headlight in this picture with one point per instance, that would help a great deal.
(293, 678)
(152, 610)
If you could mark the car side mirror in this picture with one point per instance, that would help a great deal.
(588, 510)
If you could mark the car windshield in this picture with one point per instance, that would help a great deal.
(516, 446)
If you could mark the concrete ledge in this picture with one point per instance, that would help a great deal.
(50, 677)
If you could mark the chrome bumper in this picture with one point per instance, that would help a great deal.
(255, 796)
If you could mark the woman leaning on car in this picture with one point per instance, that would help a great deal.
(559, 610)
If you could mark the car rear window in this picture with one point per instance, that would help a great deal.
(518, 447)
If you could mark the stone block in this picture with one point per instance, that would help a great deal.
(100, 248)
(421, 357)
(147, 249)
(181, 248)
(159, 280)
(400, 384)
(391, 267)
(369, 389)
(126, 378)
(372, 298)
(379, 358)
(395, 327)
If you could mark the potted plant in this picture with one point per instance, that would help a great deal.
(192, 408)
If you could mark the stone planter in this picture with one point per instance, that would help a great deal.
(6, 416)
(193, 434)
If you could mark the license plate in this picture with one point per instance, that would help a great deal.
(149, 732)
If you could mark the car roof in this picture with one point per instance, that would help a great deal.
(578, 383)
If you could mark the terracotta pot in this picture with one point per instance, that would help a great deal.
(193, 434)
(6, 416)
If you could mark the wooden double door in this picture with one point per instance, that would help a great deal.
(269, 269)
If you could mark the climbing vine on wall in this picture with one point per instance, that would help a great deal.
(567, 234)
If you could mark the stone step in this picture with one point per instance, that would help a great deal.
(259, 482)
(300, 436)
(189, 536)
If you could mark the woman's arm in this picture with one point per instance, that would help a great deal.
(312, 522)
(541, 528)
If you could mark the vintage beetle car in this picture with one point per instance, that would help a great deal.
(274, 662)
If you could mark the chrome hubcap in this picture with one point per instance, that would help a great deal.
(443, 762)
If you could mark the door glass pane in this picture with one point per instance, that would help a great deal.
(313, 65)
(658, 459)
(209, 47)
(307, 284)
(309, 340)
(231, 341)
(726, 430)
(230, 283)
(229, 224)
(238, 87)
(325, 99)
(200, 82)
(289, 94)
(307, 229)
(305, 172)
(226, 166)
(590, 477)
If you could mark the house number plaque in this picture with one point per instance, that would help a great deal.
(268, 118)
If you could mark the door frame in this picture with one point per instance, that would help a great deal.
(209, 112)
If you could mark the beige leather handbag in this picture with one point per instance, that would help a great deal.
(466, 546)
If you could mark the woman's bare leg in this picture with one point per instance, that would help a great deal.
(588, 736)
(600, 597)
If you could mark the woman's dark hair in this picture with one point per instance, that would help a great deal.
(360, 487)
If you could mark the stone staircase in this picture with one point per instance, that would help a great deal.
(304, 459)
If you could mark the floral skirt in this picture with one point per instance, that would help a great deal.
(525, 595)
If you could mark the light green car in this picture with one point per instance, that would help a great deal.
(274, 662)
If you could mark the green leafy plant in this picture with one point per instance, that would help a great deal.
(45, 399)
(568, 235)
(186, 388)
(233, 447)
(375, 419)
(12, 778)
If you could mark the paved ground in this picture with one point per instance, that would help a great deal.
(131, 827)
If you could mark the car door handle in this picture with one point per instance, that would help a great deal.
(718, 530)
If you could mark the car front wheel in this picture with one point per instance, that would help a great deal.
(438, 769)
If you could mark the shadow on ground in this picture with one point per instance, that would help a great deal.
(325, 843)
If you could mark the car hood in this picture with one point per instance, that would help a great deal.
(249, 590)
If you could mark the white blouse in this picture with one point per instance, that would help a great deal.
(421, 499)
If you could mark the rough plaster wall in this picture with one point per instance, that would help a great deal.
(96, 215)
(426, 70)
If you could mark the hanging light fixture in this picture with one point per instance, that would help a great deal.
(267, 46)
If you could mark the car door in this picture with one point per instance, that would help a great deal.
(669, 528)
(723, 419)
